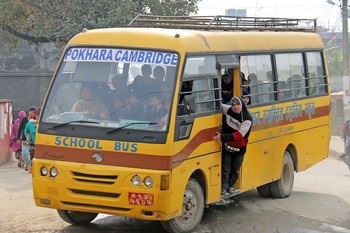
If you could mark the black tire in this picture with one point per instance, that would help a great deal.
(77, 218)
(264, 190)
(192, 210)
(283, 187)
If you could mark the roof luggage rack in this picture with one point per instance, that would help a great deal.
(224, 23)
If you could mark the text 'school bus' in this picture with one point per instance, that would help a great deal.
(128, 123)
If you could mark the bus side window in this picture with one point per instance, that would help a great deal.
(208, 66)
(253, 86)
(317, 77)
(261, 81)
(204, 95)
(296, 86)
(200, 80)
(313, 89)
(283, 92)
(290, 67)
(186, 89)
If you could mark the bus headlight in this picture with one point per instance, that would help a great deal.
(53, 172)
(44, 171)
(148, 182)
(136, 180)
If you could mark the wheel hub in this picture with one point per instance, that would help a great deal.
(189, 205)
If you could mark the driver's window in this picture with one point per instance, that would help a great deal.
(200, 83)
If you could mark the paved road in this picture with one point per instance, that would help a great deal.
(320, 202)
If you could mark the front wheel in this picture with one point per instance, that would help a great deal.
(283, 187)
(192, 210)
(76, 217)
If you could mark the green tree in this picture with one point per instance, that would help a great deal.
(41, 21)
(334, 57)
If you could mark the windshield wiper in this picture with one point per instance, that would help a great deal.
(129, 124)
(78, 121)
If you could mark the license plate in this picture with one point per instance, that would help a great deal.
(144, 199)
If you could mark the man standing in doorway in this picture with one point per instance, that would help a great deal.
(235, 139)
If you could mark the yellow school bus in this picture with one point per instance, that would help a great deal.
(100, 150)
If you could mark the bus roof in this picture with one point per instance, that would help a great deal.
(199, 40)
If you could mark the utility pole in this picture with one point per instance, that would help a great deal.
(344, 11)
(346, 78)
(345, 39)
(345, 46)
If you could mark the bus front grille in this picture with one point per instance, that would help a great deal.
(92, 178)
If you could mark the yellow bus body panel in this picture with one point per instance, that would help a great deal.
(309, 139)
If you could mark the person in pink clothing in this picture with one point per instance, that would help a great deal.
(17, 147)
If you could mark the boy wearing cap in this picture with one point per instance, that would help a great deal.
(234, 138)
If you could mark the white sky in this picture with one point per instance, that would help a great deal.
(327, 15)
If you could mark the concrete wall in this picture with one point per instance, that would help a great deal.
(24, 89)
(26, 72)
(29, 58)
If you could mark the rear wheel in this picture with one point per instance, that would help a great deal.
(77, 218)
(283, 187)
(192, 210)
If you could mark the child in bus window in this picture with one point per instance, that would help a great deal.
(246, 97)
(157, 111)
(226, 88)
(144, 84)
(118, 104)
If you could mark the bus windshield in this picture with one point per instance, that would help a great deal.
(113, 88)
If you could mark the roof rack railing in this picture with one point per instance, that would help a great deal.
(225, 23)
